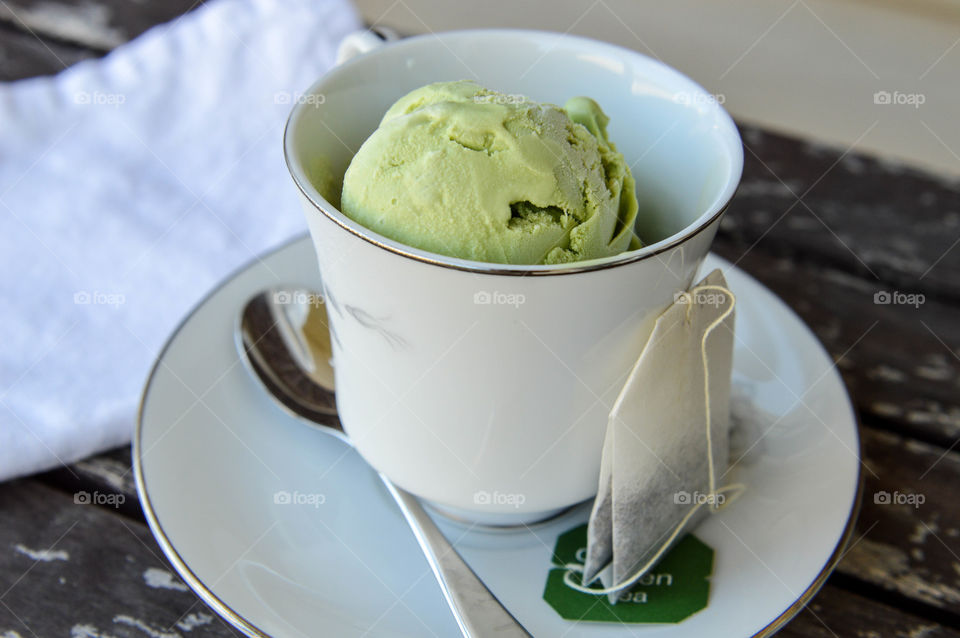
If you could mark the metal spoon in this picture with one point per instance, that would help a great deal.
(284, 340)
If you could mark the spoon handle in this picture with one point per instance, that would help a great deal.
(477, 611)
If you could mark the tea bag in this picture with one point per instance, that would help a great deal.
(667, 439)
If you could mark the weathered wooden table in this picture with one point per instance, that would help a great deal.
(834, 233)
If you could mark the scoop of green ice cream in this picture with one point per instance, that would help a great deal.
(463, 171)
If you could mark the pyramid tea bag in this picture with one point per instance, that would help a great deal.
(667, 439)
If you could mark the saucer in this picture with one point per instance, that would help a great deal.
(285, 531)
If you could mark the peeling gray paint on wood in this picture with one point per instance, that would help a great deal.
(162, 579)
(827, 258)
(86, 24)
(890, 567)
(44, 555)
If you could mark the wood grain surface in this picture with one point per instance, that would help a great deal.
(864, 251)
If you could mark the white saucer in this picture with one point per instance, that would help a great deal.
(211, 451)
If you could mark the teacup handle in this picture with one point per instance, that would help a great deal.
(362, 41)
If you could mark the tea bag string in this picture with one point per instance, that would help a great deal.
(735, 489)
(706, 379)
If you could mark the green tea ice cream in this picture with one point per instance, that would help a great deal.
(466, 172)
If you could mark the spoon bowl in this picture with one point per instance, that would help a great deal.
(285, 339)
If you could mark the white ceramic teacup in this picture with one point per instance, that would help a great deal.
(485, 388)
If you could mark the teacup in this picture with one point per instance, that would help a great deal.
(485, 388)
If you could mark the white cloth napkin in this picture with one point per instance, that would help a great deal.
(128, 187)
